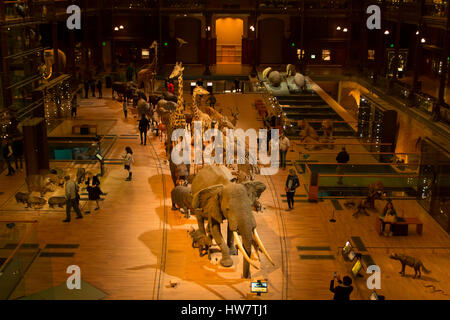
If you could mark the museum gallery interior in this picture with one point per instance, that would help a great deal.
(225, 150)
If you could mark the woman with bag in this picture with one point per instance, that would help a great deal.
(128, 162)
(292, 183)
(94, 192)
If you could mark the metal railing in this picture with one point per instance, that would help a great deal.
(21, 250)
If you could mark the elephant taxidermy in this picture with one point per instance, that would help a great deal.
(220, 199)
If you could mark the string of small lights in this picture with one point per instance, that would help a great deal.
(57, 102)
(5, 123)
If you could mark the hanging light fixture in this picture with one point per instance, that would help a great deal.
(116, 29)
(121, 27)
(338, 28)
(386, 32)
(423, 40)
(345, 30)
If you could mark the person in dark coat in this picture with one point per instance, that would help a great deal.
(86, 89)
(92, 84)
(130, 71)
(99, 88)
(236, 85)
(8, 156)
(73, 106)
(341, 292)
(92, 180)
(144, 126)
(94, 191)
(211, 100)
(17, 147)
(342, 158)
(199, 82)
(292, 183)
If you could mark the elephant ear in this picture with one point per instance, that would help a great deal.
(254, 190)
(209, 201)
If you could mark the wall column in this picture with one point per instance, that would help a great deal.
(56, 66)
(2, 11)
(208, 22)
(252, 21)
(364, 35)
(302, 38)
(4, 67)
(418, 51)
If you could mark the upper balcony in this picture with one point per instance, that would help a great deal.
(25, 11)
(434, 12)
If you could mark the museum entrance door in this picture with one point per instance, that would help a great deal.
(229, 32)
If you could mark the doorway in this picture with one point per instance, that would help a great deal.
(229, 32)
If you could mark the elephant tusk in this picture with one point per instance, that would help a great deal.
(261, 246)
(241, 249)
(256, 251)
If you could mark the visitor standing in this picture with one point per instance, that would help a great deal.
(72, 199)
(170, 87)
(17, 147)
(92, 84)
(94, 191)
(341, 292)
(130, 71)
(73, 106)
(236, 84)
(211, 100)
(86, 89)
(125, 107)
(100, 88)
(292, 183)
(342, 158)
(128, 162)
(144, 126)
(284, 148)
(8, 156)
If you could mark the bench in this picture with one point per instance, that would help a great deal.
(400, 228)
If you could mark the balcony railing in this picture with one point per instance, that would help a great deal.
(436, 8)
(134, 4)
(419, 100)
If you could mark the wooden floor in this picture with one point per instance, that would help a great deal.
(135, 245)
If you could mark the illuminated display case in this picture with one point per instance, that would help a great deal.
(378, 126)
(434, 182)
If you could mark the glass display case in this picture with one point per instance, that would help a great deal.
(434, 182)
(378, 127)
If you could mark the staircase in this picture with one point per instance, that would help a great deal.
(311, 107)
